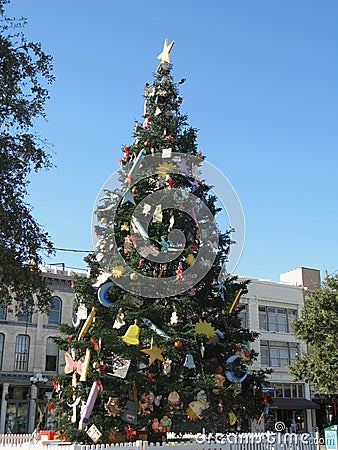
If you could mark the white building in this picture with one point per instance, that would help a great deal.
(270, 308)
(28, 355)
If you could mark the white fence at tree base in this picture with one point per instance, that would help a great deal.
(230, 441)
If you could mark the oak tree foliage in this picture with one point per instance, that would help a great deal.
(25, 71)
(318, 328)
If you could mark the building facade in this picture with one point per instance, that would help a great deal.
(29, 357)
(270, 308)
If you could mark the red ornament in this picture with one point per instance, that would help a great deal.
(120, 161)
(180, 100)
(227, 250)
(69, 338)
(170, 137)
(51, 407)
(129, 180)
(178, 344)
(134, 190)
(170, 182)
(147, 144)
(150, 377)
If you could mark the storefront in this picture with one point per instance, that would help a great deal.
(291, 412)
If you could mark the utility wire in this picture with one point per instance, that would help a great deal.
(72, 250)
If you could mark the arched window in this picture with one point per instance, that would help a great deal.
(21, 352)
(52, 356)
(2, 342)
(3, 309)
(54, 317)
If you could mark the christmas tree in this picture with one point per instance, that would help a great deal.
(157, 342)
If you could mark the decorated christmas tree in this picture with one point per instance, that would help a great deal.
(157, 343)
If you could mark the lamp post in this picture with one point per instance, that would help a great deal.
(36, 381)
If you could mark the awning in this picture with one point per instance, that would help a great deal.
(293, 403)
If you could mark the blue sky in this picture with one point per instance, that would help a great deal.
(262, 88)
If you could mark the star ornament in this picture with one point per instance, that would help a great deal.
(165, 55)
(154, 353)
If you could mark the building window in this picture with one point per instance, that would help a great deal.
(3, 309)
(287, 390)
(243, 315)
(276, 319)
(2, 342)
(54, 317)
(52, 356)
(278, 354)
(21, 352)
(25, 312)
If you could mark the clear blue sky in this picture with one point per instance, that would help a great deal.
(262, 88)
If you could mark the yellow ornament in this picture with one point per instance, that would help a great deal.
(164, 56)
(125, 227)
(133, 276)
(132, 335)
(232, 418)
(164, 169)
(154, 353)
(190, 259)
(205, 328)
(118, 271)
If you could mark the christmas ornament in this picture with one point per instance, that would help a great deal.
(164, 244)
(101, 278)
(127, 245)
(136, 164)
(173, 318)
(87, 324)
(119, 320)
(164, 56)
(202, 349)
(179, 272)
(132, 335)
(166, 153)
(79, 315)
(178, 344)
(205, 328)
(113, 406)
(118, 271)
(87, 410)
(118, 368)
(129, 413)
(146, 209)
(230, 374)
(236, 301)
(174, 401)
(165, 168)
(196, 408)
(71, 365)
(125, 226)
(154, 353)
(219, 381)
(232, 418)
(145, 405)
(155, 425)
(133, 276)
(102, 294)
(130, 433)
(158, 215)
(157, 111)
(167, 366)
(165, 424)
(169, 182)
(139, 227)
(94, 433)
(85, 366)
(155, 328)
(189, 362)
(190, 259)
(128, 197)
